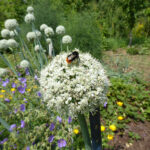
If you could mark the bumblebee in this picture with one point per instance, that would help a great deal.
(73, 57)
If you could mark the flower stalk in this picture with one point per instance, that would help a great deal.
(85, 132)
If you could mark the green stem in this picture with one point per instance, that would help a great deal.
(85, 132)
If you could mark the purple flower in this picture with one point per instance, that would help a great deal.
(22, 107)
(27, 148)
(12, 127)
(15, 111)
(52, 126)
(4, 83)
(3, 141)
(61, 143)
(39, 94)
(1, 132)
(22, 124)
(51, 138)
(27, 71)
(21, 89)
(7, 81)
(69, 120)
(19, 74)
(59, 119)
(23, 80)
(0, 79)
(105, 104)
(35, 77)
(7, 100)
(25, 85)
(13, 85)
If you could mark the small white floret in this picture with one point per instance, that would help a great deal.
(30, 9)
(66, 39)
(24, 64)
(11, 24)
(49, 31)
(5, 33)
(29, 18)
(60, 29)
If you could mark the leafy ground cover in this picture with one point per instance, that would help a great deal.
(134, 92)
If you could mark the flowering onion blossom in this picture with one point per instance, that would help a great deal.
(49, 31)
(48, 41)
(74, 88)
(24, 64)
(12, 43)
(11, 24)
(43, 27)
(29, 18)
(33, 35)
(60, 29)
(30, 9)
(3, 71)
(12, 34)
(5, 33)
(37, 48)
(3, 44)
(66, 39)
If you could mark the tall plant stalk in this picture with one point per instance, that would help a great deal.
(85, 132)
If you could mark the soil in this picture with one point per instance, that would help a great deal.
(138, 63)
(124, 142)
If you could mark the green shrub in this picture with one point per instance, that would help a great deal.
(133, 51)
(113, 43)
(85, 33)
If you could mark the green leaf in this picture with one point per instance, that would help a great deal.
(4, 123)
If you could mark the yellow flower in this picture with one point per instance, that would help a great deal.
(76, 131)
(120, 118)
(10, 97)
(16, 81)
(110, 137)
(112, 127)
(102, 128)
(28, 90)
(3, 91)
(120, 103)
(35, 86)
(1, 96)
(13, 89)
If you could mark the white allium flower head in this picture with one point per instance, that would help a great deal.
(24, 64)
(30, 36)
(12, 34)
(5, 33)
(3, 44)
(11, 24)
(29, 18)
(33, 35)
(12, 43)
(38, 33)
(66, 39)
(43, 27)
(48, 41)
(49, 31)
(60, 29)
(30, 9)
(74, 88)
(3, 72)
(37, 48)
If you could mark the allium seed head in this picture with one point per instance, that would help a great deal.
(11, 24)
(29, 18)
(66, 39)
(5, 33)
(60, 29)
